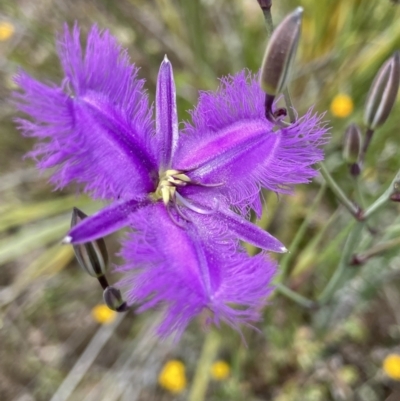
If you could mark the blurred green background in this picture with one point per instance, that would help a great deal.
(57, 343)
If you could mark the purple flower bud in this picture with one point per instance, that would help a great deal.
(280, 53)
(91, 256)
(113, 299)
(383, 92)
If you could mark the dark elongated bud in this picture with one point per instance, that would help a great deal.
(113, 299)
(382, 94)
(352, 143)
(280, 53)
(395, 196)
(352, 148)
(91, 256)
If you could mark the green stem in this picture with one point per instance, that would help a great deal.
(352, 207)
(287, 258)
(339, 276)
(368, 137)
(383, 199)
(202, 374)
(294, 296)
(266, 9)
(289, 105)
(358, 192)
(361, 258)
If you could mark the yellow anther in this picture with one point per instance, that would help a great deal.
(169, 173)
(166, 194)
(168, 181)
(182, 177)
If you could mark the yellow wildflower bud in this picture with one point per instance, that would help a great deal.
(391, 366)
(342, 105)
(220, 370)
(173, 376)
(103, 314)
(6, 30)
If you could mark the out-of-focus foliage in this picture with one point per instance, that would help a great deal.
(47, 331)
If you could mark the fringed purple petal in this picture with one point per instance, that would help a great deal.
(232, 142)
(166, 114)
(226, 225)
(185, 271)
(99, 113)
(104, 222)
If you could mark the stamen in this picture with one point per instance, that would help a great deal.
(200, 184)
(174, 220)
(192, 207)
(178, 209)
(169, 182)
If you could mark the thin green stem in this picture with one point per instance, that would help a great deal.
(368, 137)
(361, 258)
(358, 192)
(294, 296)
(202, 375)
(287, 258)
(352, 207)
(383, 199)
(339, 276)
(266, 9)
(289, 105)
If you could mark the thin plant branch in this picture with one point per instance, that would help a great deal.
(378, 249)
(84, 362)
(202, 374)
(382, 200)
(351, 206)
(287, 258)
(295, 297)
(339, 275)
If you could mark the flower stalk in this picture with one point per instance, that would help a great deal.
(351, 206)
(379, 249)
(340, 275)
(391, 191)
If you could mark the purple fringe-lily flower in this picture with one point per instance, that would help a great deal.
(185, 194)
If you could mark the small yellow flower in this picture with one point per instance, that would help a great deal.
(173, 376)
(6, 30)
(391, 366)
(102, 314)
(342, 105)
(220, 370)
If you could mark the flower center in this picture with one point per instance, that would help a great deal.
(169, 180)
